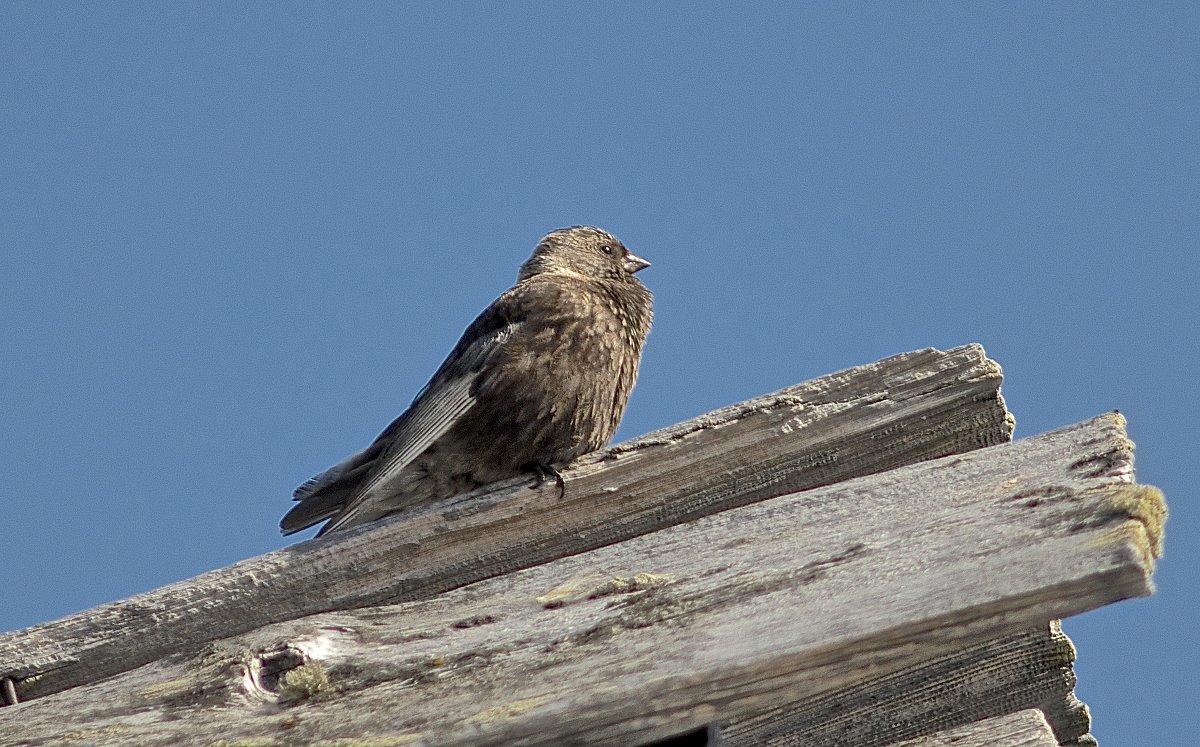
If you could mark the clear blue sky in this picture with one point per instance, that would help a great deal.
(237, 238)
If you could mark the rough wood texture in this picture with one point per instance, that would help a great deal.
(900, 410)
(1022, 729)
(1027, 670)
(714, 620)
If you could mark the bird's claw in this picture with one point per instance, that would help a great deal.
(546, 470)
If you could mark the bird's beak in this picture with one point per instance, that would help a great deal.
(633, 263)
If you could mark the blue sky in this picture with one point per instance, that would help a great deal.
(237, 239)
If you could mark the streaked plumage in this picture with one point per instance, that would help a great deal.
(539, 378)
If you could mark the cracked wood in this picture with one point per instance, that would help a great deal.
(897, 411)
(718, 619)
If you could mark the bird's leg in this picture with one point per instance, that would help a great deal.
(549, 470)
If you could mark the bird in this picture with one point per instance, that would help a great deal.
(540, 377)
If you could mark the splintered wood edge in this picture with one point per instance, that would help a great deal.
(1146, 507)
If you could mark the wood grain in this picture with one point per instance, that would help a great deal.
(715, 620)
(897, 411)
(1032, 669)
(1026, 728)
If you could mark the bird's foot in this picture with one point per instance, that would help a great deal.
(548, 470)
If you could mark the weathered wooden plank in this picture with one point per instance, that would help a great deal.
(1026, 728)
(714, 620)
(1031, 669)
(903, 409)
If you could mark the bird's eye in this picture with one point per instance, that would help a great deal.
(606, 249)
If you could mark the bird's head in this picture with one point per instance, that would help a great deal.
(583, 250)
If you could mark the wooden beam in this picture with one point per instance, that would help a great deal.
(900, 410)
(714, 620)
(1032, 669)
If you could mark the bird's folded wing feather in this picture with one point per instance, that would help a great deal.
(349, 487)
(325, 494)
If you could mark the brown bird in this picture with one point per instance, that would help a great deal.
(539, 378)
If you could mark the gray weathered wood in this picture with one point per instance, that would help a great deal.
(714, 620)
(903, 409)
(1026, 728)
(1031, 669)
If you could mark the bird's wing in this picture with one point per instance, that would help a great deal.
(344, 486)
(323, 495)
(346, 489)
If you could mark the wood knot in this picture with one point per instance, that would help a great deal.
(283, 675)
